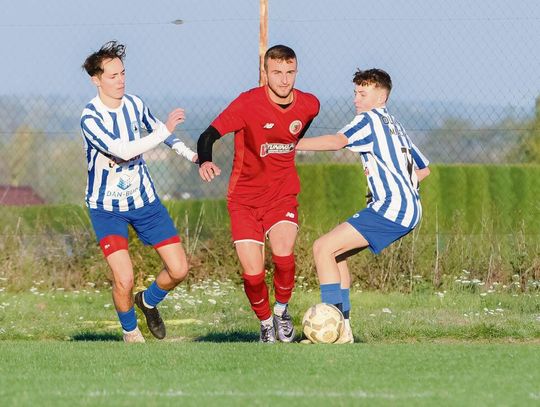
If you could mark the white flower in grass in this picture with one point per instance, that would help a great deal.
(483, 294)
(177, 307)
(107, 305)
(386, 310)
(212, 301)
(439, 294)
(499, 309)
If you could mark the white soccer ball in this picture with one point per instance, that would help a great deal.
(323, 323)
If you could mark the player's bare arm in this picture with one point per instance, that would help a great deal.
(329, 142)
(422, 173)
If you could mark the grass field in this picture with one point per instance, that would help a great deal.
(457, 348)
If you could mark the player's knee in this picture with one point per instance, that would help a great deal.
(178, 271)
(319, 247)
(282, 249)
(124, 283)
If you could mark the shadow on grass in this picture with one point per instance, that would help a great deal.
(235, 336)
(96, 337)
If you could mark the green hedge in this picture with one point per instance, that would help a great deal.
(468, 198)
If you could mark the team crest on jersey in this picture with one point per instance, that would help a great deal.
(124, 182)
(295, 126)
(276, 148)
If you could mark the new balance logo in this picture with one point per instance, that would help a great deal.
(268, 126)
(289, 215)
(107, 246)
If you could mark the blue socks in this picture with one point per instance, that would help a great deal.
(335, 295)
(345, 297)
(128, 320)
(154, 295)
(331, 294)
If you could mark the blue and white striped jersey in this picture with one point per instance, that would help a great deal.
(118, 177)
(389, 159)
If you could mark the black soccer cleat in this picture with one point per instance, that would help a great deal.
(284, 326)
(153, 319)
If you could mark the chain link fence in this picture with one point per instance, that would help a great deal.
(465, 75)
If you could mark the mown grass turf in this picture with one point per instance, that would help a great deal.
(242, 374)
(458, 348)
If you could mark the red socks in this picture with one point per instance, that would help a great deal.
(257, 293)
(284, 269)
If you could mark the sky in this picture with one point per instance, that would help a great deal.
(481, 52)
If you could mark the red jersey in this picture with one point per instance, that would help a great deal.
(265, 137)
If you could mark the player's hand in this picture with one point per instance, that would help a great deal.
(208, 171)
(195, 159)
(176, 117)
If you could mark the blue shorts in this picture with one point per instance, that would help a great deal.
(151, 222)
(378, 231)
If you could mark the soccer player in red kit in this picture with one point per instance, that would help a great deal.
(262, 201)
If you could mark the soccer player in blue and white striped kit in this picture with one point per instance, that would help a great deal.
(120, 191)
(393, 166)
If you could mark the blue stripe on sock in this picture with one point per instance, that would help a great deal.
(128, 320)
(154, 295)
(331, 293)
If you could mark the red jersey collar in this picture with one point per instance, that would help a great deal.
(275, 105)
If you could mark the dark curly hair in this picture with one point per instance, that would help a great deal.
(93, 65)
(374, 76)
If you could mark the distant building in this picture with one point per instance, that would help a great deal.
(19, 196)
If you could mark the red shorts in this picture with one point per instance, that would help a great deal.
(253, 224)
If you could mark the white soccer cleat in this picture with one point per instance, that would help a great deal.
(134, 336)
(268, 333)
(284, 326)
(346, 335)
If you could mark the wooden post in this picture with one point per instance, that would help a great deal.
(263, 38)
